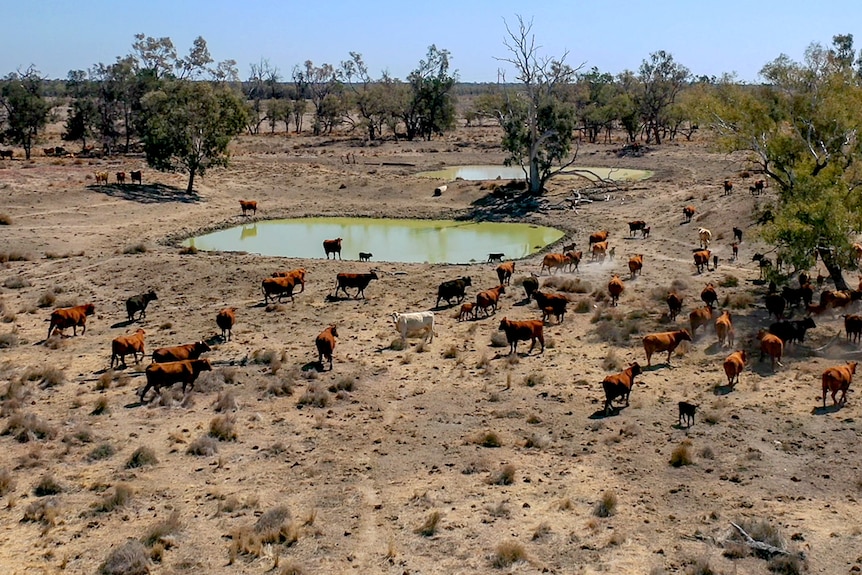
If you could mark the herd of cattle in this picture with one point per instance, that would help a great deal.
(135, 175)
(182, 364)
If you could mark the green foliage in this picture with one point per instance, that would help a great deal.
(80, 120)
(25, 111)
(187, 127)
(661, 80)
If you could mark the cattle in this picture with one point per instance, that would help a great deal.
(765, 264)
(332, 247)
(598, 237)
(837, 379)
(794, 295)
(734, 364)
(574, 259)
(420, 322)
(701, 258)
(121, 177)
(101, 178)
(137, 176)
(757, 188)
(775, 305)
(724, 329)
(297, 275)
(71, 317)
(708, 295)
(737, 234)
(615, 289)
(468, 310)
(552, 262)
(516, 331)
(636, 264)
(771, 345)
(496, 257)
(180, 352)
(674, 305)
(161, 375)
(686, 413)
(325, 343)
(248, 206)
(557, 303)
(438, 191)
(531, 284)
(547, 312)
(276, 288)
(453, 289)
(620, 385)
(852, 327)
(705, 237)
(698, 317)
(365, 256)
(48, 151)
(688, 212)
(599, 250)
(735, 251)
(139, 303)
(569, 247)
(835, 299)
(125, 344)
(226, 319)
(790, 331)
(505, 271)
(664, 341)
(728, 187)
(352, 280)
(6, 154)
(489, 298)
(645, 232)
(636, 226)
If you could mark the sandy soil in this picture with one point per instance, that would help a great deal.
(400, 437)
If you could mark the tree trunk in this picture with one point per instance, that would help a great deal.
(834, 269)
(535, 179)
(190, 188)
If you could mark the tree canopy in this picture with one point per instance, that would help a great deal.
(26, 111)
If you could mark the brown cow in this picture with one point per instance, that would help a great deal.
(574, 259)
(664, 341)
(516, 331)
(837, 379)
(734, 365)
(101, 178)
(125, 344)
(674, 305)
(557, 303)
(276, 288)
(698, 317)
(770, 344)
(708, 295)
(599, 250)
(71, 317)
(121, 177)
(724, 329)
(248, 206)
(853, 327)
(325, 343)
(615, 288)
(505, 271)
(298, 276)
(636, 264)
(489, 298)
(598, 237)
(728, 187)
(468, 310)
(137, 176)
(688, 212)
(166, 374)
(701, 258)
(620, 385)
(180, 352)
(554, 261)
(353, 280)
(226, 319)
(332, 247)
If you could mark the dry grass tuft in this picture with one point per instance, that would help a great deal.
(505, 475)
(5, 219)
(498, 339)
(451, 352)
(188, 250)
(226, 401)
(28, 427)
(130, 559)
(203, 446)
(607, 505)
(738, 301)
(534, 379)
(157, 532)
(16, 282)
(14, 257)
(7, 482)
(142, 457)
(281, 387)
(292, 569)
(47, 299)
(101, 451)
(47, 486)
(44, 511)
(489, 439)
(315, 395)
(101, 406)
(223, 428)
(118, 498)
(681, 455)
(429, 527)
(507, 554)
(700, 567)
(140, 248)
(612, 361)
(8, 340)
(728, 281)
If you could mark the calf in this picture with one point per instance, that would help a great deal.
(325, 343)
(724, 329)
(468, 310)
(248, 206)
(837, 379)
(664, 341)
(728, 187)
(121, 177)
(166, 374)
(125, 344)
(735, 248)
(137, 176)
(795, 295)
(365, 256)
(453, 289)
(674, 305)
(599, 250)
(705, 237)
(645, 232)
(226, 319)
(615, 289)
(574, 259)
(734, 365)
(420, 322)
(737, 234)
(557, 303)
(620, 385)
(505, 271)
(523, 330)
(139, 303)
(180, 352)
(496, 257)
(708, 295)
(771, 345)
(688, 212)
(71, 317)
(332, 247)
(531, 284)
(686, 413)
(765, 264)
(352, 280)
(636, 264)
(489, 298)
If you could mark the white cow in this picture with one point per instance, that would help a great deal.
(705, 237)
(416, 323)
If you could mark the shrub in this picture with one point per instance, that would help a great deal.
(156, 532)
(607, 505)
(47, 299)
(7, 482)
(534, 379)
(44, 511)
(429, 527)
(315, 395)
(451, 352)
(738, 301)
(223, 428)
(498, 339)
(16, 282)
(141, 457)
(612, 361)
(8, 340)
(14, 257)
(760, 530)
(120, 497)
(225, 401)
(786, 565)
(276, 526)
(204, 446)
(681, 455)
(489, 439)
(140, 248)
(28, 427)
(281, 387)
(188, 250)
(101, 451)
(537, 441)
(507, 554)
(583, 306)
(728, 281)
(567, 284)
(129, 559)
(347, 383)
(47, 486)
(505, 476)
(101, 406)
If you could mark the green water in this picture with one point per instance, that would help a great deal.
(491, 172)
(390, 240)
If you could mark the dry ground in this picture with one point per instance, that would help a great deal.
(509, 452)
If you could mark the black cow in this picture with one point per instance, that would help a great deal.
(139, 303)
(790, 331)
(453, 289)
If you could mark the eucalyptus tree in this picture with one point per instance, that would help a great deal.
(25, 111)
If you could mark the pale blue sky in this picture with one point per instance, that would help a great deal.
(708, 37)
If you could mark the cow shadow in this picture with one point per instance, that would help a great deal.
(600, 413)
(720, 389)
(215, 340)
(148, 193)
(820, 410)
(315, 365)
(336, 298)
(523, 302)
(124, 323)
(134, 404)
